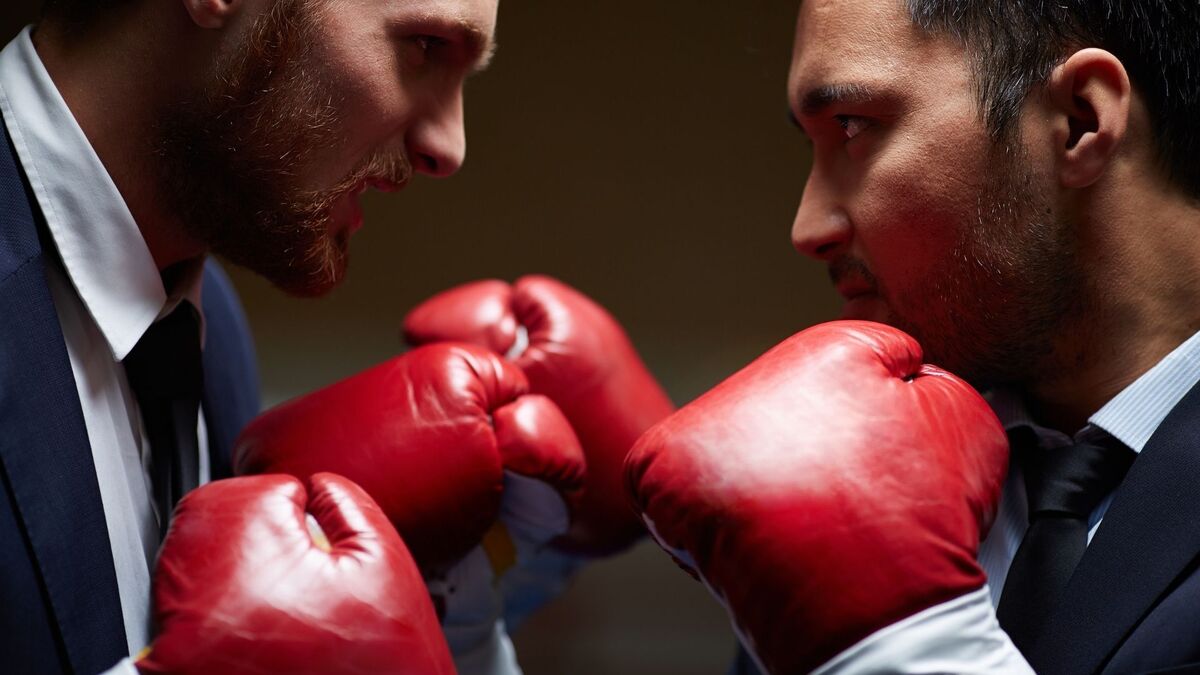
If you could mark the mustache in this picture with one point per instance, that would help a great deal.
(846, 267)
(393, 167)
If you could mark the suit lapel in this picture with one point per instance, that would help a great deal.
(45, 457)
(1149, 535)
(231, 396)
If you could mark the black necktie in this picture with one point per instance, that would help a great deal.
(164, 370)
(1064, 486)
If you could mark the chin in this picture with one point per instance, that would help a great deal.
(310, 288)
(318, 273)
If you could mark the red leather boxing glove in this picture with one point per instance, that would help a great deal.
(579, 357)
(832, 488)
(429, 435)
(242, 586)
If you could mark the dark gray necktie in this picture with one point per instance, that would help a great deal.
(164, 370)
(1064, 486)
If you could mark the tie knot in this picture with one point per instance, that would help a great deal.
(1069, 481)
(165, 363)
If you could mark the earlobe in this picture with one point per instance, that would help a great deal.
(212, 13)
(1092, 93)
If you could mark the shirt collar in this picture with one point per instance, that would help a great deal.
(1134, 414)
(102, 249)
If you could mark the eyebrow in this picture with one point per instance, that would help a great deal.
(486, 54)
(475, 42)
(479, 45)
(817, 99)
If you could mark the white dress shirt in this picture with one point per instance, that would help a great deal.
(107, 293)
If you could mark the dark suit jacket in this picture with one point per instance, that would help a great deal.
(1133, 604)
(59, 606)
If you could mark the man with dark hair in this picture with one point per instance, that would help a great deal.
(1013, 47)
(1014, 183)
(139, 137)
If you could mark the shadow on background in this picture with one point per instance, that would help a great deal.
(641, 152)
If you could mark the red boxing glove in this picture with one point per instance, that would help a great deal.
(241, 586)
(580, 358)
(429, 435)
(833, 487)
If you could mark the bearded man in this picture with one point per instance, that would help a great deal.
(142, 136)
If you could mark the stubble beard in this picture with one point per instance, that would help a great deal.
(231, 158)
(993, 311)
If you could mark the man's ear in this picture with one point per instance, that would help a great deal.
(1091, 96)
(213, 13)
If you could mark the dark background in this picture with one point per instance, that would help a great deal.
(641, 152)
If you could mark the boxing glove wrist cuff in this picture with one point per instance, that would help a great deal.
(958, 636)
(494, 656)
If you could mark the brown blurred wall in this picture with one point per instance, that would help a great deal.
(641, 152)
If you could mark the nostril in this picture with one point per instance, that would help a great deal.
(826, 248)
(429, 164)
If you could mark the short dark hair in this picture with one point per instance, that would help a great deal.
(1014, 45)
(77, 13)
(79, 5)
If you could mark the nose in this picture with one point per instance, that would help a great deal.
(822, 229)
(437, 142)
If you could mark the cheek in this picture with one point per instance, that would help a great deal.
(372, 108)
(362, 74)
(918, 199)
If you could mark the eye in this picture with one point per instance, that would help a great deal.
(852, 125)
(425, 48)
(428, 42)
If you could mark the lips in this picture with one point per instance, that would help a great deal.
(861, 295)
(854, 287)
(346, 212)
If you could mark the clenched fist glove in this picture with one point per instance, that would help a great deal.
(429, 435)
(578, 356)
(458, 454)
(833, 495)
(261, 575)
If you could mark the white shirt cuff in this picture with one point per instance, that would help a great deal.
(494, 656)
(959, 636)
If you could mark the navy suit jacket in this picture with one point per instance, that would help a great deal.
(1133, 604)
(59, 606)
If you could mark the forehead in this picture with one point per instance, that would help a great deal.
(869, 42)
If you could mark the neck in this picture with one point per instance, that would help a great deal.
(1141, 289)
(110, 77)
